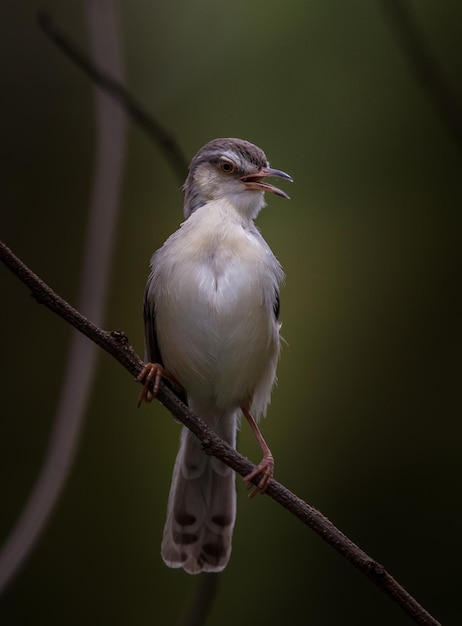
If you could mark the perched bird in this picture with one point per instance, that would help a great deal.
(211, 313)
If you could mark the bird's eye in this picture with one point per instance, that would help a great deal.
(226, 166)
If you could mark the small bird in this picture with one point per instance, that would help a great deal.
(211, 313)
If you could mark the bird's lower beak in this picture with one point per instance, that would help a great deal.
(254, 182)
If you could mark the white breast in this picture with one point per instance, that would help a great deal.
(213, 285)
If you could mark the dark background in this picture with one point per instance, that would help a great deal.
(365, 423)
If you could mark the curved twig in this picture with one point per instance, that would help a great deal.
(197, 607)
(82, 358)
(153, 129)
(116, 344)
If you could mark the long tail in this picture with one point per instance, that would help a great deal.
(201, 506)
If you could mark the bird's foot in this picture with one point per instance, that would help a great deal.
(265, 469)
(152, 374)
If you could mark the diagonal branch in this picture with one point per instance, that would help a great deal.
(426, 66)
(116, 344)
(81, 363)
(153, 129)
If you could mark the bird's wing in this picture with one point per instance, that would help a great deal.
(276, 304)
(152, 352)
(151, 347)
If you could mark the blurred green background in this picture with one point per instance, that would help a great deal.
(365, 423)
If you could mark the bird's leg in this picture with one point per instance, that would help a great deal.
(266, 466)
(153, 372)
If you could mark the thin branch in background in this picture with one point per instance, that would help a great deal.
(81, 364)
(204, 593)
(426, 66)
(198, 605)
(117, 346)
(153, 129)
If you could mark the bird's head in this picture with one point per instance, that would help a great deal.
(232, 170)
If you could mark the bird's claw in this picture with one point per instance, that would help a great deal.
(265, 469)
(151, 373)
(151, 376)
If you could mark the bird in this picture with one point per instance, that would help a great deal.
(211, 317)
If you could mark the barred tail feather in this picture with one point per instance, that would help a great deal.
(201, 507)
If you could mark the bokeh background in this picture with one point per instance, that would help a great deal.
(365, 423)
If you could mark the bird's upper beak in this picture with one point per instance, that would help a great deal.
(254, 182)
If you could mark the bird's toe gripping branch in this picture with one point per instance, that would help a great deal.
(265, 468)
(150, 377)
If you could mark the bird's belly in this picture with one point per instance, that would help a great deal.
(217, 333)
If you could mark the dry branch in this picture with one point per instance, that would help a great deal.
(116, 344)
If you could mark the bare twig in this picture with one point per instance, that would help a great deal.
(117, 346)
(81, 362)
(197, 607)
(426, 66)
(153, 129)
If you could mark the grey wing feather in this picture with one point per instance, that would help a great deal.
(151, 346)
(276, 304)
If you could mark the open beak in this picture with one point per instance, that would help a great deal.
(255, 183)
